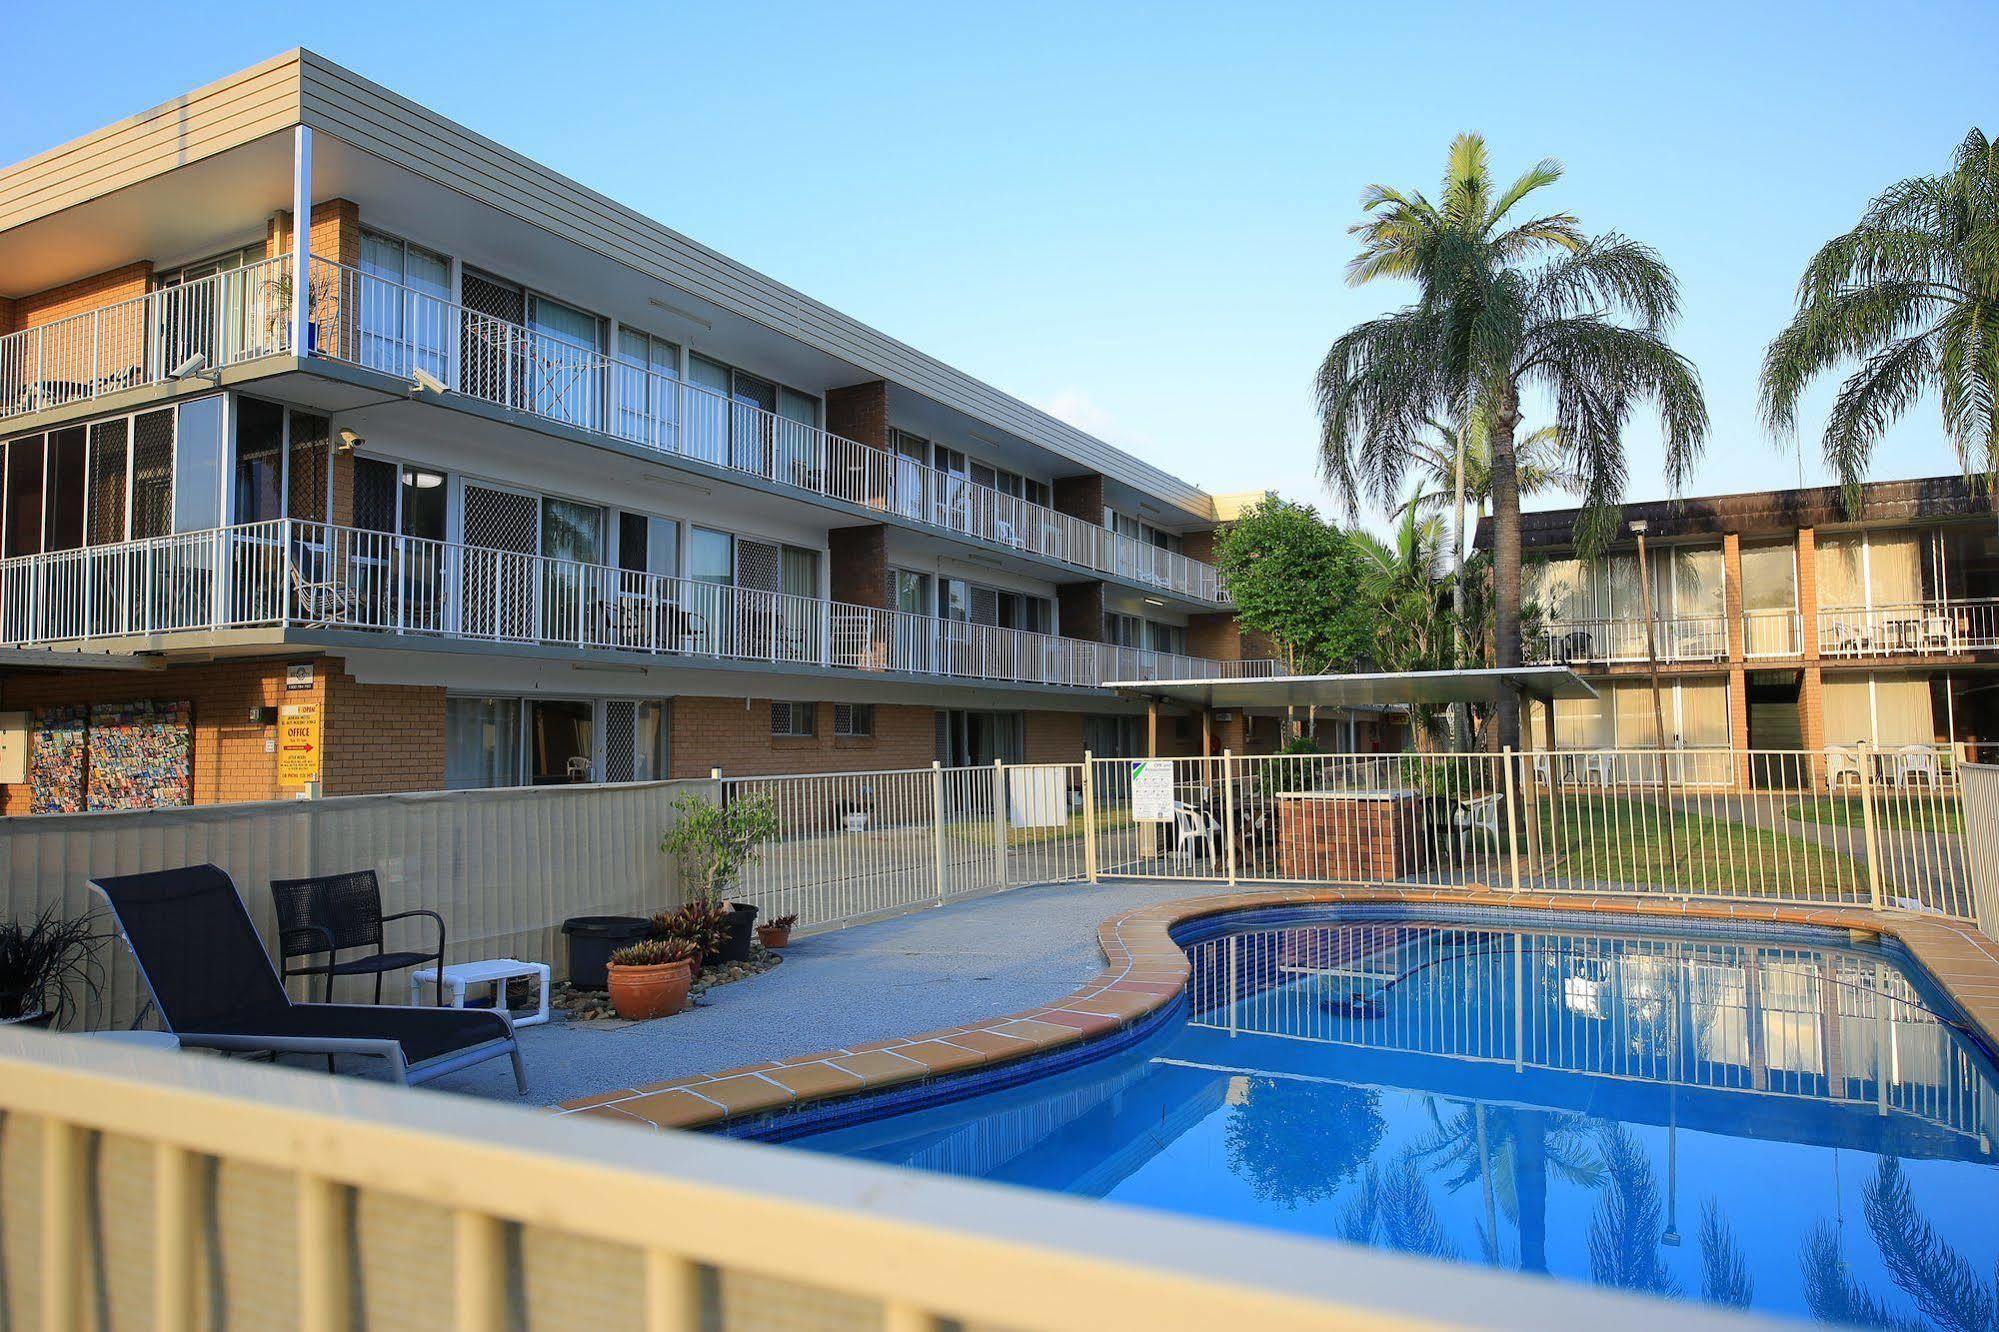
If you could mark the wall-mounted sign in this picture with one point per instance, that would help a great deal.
(298, 675)
(299, 744)
(1152, 790)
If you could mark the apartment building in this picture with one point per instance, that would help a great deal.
(1780, 622)
(480, 478)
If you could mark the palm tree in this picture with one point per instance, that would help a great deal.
(1539, 461)
(1505, 306)
(1512, 1153)
(1912, 293)
(1401, 581)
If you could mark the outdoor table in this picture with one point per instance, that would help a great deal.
(1348, 835)
(496, 971)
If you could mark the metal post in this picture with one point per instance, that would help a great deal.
(1868, 830)
(1089, 818)
(1228, 813)
(1658, 710)
(999, 822)
(937, 823)
(1512, 823)
(301, 239)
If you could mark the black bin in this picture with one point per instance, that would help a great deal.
(592, 940)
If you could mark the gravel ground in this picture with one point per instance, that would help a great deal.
(971, 959)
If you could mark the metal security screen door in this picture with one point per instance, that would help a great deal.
(502, 533)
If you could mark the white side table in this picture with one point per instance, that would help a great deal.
(496, 972)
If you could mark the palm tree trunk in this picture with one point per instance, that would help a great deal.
(1506, 555)
(1460, 712)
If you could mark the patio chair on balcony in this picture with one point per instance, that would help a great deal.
(336, 913)
(216, 989)
(322, 598)
(1938, 633)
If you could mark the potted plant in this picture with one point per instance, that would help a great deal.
(704, 925)
(649, 979)
(775, 933)
(715, 844)
(42, 963)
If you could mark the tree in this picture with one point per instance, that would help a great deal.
(1415, 623)
(1912, 293)
(1504, 308)
(1295, 577)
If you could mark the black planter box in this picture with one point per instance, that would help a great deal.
(592, 940)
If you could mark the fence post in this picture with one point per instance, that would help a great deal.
(1868, 831)
(1228, 814)
(1089, 818)
(999, 822)
(1512, 823)
(937, 823)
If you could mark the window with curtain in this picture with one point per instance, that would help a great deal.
(649, 760)
(482, 743)
(561, 362)
(799, 572)
(1902, 711)
(404, 317)
(711, 556)
(1840, 562)
(1632, 719)
(1703, 714)
(1894, 568)
(1560, 588)
(1770, 577)
(1581, 723)
(648, 377)
(1689, 585)
(1849, 710)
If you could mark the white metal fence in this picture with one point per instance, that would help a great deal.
(857, 845)
(1938, 626)
(1849, 826)
(400, 330)
(287, 572)
(1981, 842)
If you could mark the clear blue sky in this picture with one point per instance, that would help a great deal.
(1135, 215)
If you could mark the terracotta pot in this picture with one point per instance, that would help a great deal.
(774, 937)
(639, 993)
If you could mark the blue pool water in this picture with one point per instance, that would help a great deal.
(1778, 1120)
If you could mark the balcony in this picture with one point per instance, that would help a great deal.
(1937, 627)
(1692, 638)
(287, 574)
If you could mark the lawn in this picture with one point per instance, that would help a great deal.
(1633, 841)
(1920, 813)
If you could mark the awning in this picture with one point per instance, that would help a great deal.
(1484, 685)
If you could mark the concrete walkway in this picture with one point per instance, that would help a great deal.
(952, 964)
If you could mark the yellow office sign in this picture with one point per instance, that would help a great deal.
(299, 744)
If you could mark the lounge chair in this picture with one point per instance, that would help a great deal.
(215, 987)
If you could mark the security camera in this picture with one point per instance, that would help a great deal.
(349, 441)
(193, 367)
(425, 382)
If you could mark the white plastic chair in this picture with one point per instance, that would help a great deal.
(1195, 833)
(1479, 814)
(1841, 765)
(1913, 761)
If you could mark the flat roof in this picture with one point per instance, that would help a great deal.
(1485, 684)
(73, 659)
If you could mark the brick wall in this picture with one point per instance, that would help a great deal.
(1080, 497)
(382, 737)
(336, 232)
(1081, 607)
(73, 298)
(1215, 636)
(1198, 546)
(723, 733)
(1054, 737)
(859, 412)
(858, 565)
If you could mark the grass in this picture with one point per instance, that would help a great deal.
(1624, 840)
(1922, 813)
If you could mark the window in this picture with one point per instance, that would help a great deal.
(560, 734)
(648, 545)
(24, 495)
(1165, 637)
(403, 315)
(564, 382)
(912, 592)
(711, 556)
(794, 719)
(1121, 630)
(648, 378)
(482, 743)
(260, 444)
(197, 483)
(854, 719)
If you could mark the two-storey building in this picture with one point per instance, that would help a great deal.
(481, 478)
(1781, 622)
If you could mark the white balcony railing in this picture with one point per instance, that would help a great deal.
(1772, 633)
(1916, 628)
(1679, 639)
(227, 318)
(384, 325)
(287, 573)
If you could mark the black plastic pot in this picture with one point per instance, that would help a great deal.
(742, 922)
(592, 940)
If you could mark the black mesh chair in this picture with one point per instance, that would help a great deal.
(216, 989)
(335, 912)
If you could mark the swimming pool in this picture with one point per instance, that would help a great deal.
(1775, 1118)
